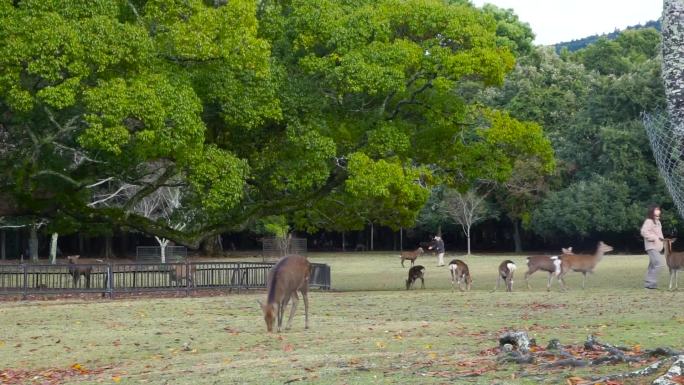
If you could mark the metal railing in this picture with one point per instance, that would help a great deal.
(117, 278)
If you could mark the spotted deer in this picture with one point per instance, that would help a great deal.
(548, 263)
(460, 273)
(506, 270)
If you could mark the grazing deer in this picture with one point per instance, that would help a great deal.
(550, 264)
(289, 275)
(411, 255)
(77, 271)
(675, 261)
(414, 273)
(460, 272)
(583, 263)
(178, 273)
(506, 270)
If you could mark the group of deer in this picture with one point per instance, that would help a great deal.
(556, 266)
(291, 275)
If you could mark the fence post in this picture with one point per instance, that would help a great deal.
(110, 280)
(24, 286)
(239, 273)
(187, 278)
(328, 277)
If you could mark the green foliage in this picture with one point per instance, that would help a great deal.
(510, 31)
(618, 56)
(276, 225)
(597, 205)
(218, 177)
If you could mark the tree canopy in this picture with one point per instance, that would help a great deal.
(251, 109)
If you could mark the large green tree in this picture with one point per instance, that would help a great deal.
(250, 109)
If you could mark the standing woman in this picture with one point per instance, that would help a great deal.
(652, 232)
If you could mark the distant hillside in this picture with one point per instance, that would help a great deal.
(575, 45)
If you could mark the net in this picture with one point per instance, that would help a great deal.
(667, 142)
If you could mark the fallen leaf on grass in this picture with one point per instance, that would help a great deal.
(574, 380)
(678, 379)
(116, 379)
(288, 347)
(79, 368)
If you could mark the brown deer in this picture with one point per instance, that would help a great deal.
(549, 264)
(459, 273)
(506, 270)
(674, 260)
(289, 275)
(178, 273)
(411, 255)
(76, 271)
(583, 263)
(414, 273)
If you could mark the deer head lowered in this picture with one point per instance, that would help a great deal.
(289, 275)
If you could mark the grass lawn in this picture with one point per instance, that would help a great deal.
(369, 330)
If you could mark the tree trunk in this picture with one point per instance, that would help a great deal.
(371, 237)
(468, 242)
(53, 248)
(33, 242)
(108, 251)
(344, 242)
(210, 246)
(163, 242)
(401, 239)
(673, 61)
(516, 235)
(3, 245)
(81, 250)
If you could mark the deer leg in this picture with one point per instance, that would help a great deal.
(305, 296)
(402, 262)
(293, 308)
(584, 279)
(561, 281)
(674, 285)
(548, 284)
(281, 311)
(422, 282)
(676, 280)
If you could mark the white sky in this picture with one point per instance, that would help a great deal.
(555, 21)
